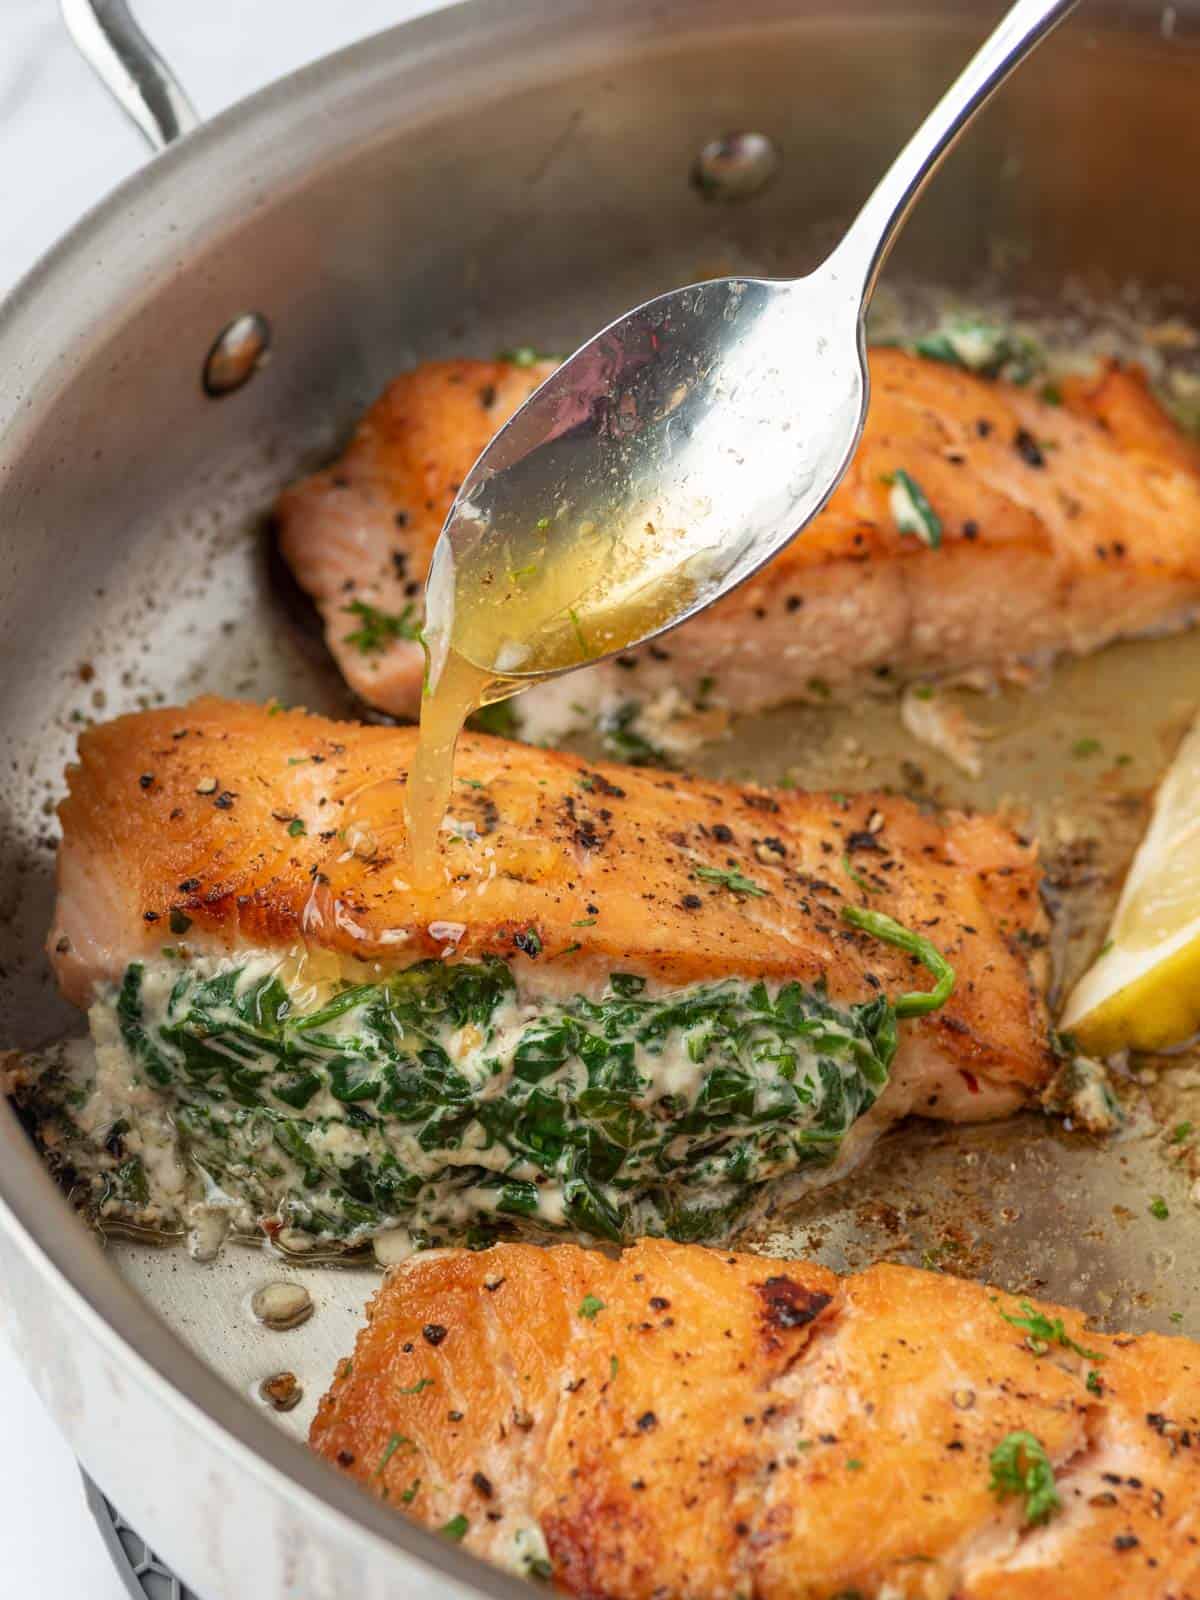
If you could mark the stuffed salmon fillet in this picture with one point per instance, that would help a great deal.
(685, 1422)
(979, 528)
(635, 1003)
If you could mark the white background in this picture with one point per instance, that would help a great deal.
(63, 145)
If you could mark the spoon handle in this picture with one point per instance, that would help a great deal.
(864, 249)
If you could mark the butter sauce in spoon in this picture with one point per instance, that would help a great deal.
(665, 461)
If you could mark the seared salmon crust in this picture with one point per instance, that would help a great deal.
(1060, 527)
(273, 829)
(687, 1422)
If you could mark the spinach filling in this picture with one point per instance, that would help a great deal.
(438, 1101)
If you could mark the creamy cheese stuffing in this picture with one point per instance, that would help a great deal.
(445, 1101)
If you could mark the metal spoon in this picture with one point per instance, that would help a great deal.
(715, 421)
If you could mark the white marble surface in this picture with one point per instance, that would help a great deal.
(62, 146)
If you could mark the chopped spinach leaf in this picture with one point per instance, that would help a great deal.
(986, 347)
(430, 1100)
(498, 719)
(621, 736)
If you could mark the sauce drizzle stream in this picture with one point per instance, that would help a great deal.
(503, 614)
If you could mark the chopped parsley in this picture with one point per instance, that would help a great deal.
(912, 512)
(613, 1367)
(410, 1494)
(881, 926)
(1159, 1209)
(521, 355)
(1094, 1386)
(417, 1388)
(1043, 1332)
(179, 920)
(455, 1529)
(498, 719)
(396, 1442)
(855, 875)
(1180, 1132)
(1020, 1466)
(590, 1307)
(1083, 748)
(734, 881)
(296, 827)
(580, 636)
(378, 629)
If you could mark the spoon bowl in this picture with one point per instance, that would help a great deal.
(688, 442)
(683, 446)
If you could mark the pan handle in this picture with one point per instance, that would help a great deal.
(131, 69)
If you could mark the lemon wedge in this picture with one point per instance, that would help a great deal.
(1143, 990)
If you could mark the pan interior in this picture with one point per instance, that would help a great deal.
(138, 567)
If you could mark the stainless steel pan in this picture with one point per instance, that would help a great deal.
(503, 172)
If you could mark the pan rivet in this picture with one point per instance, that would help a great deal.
(281, 1391)
(735, 166)
(237, 353)
(282, 1305)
